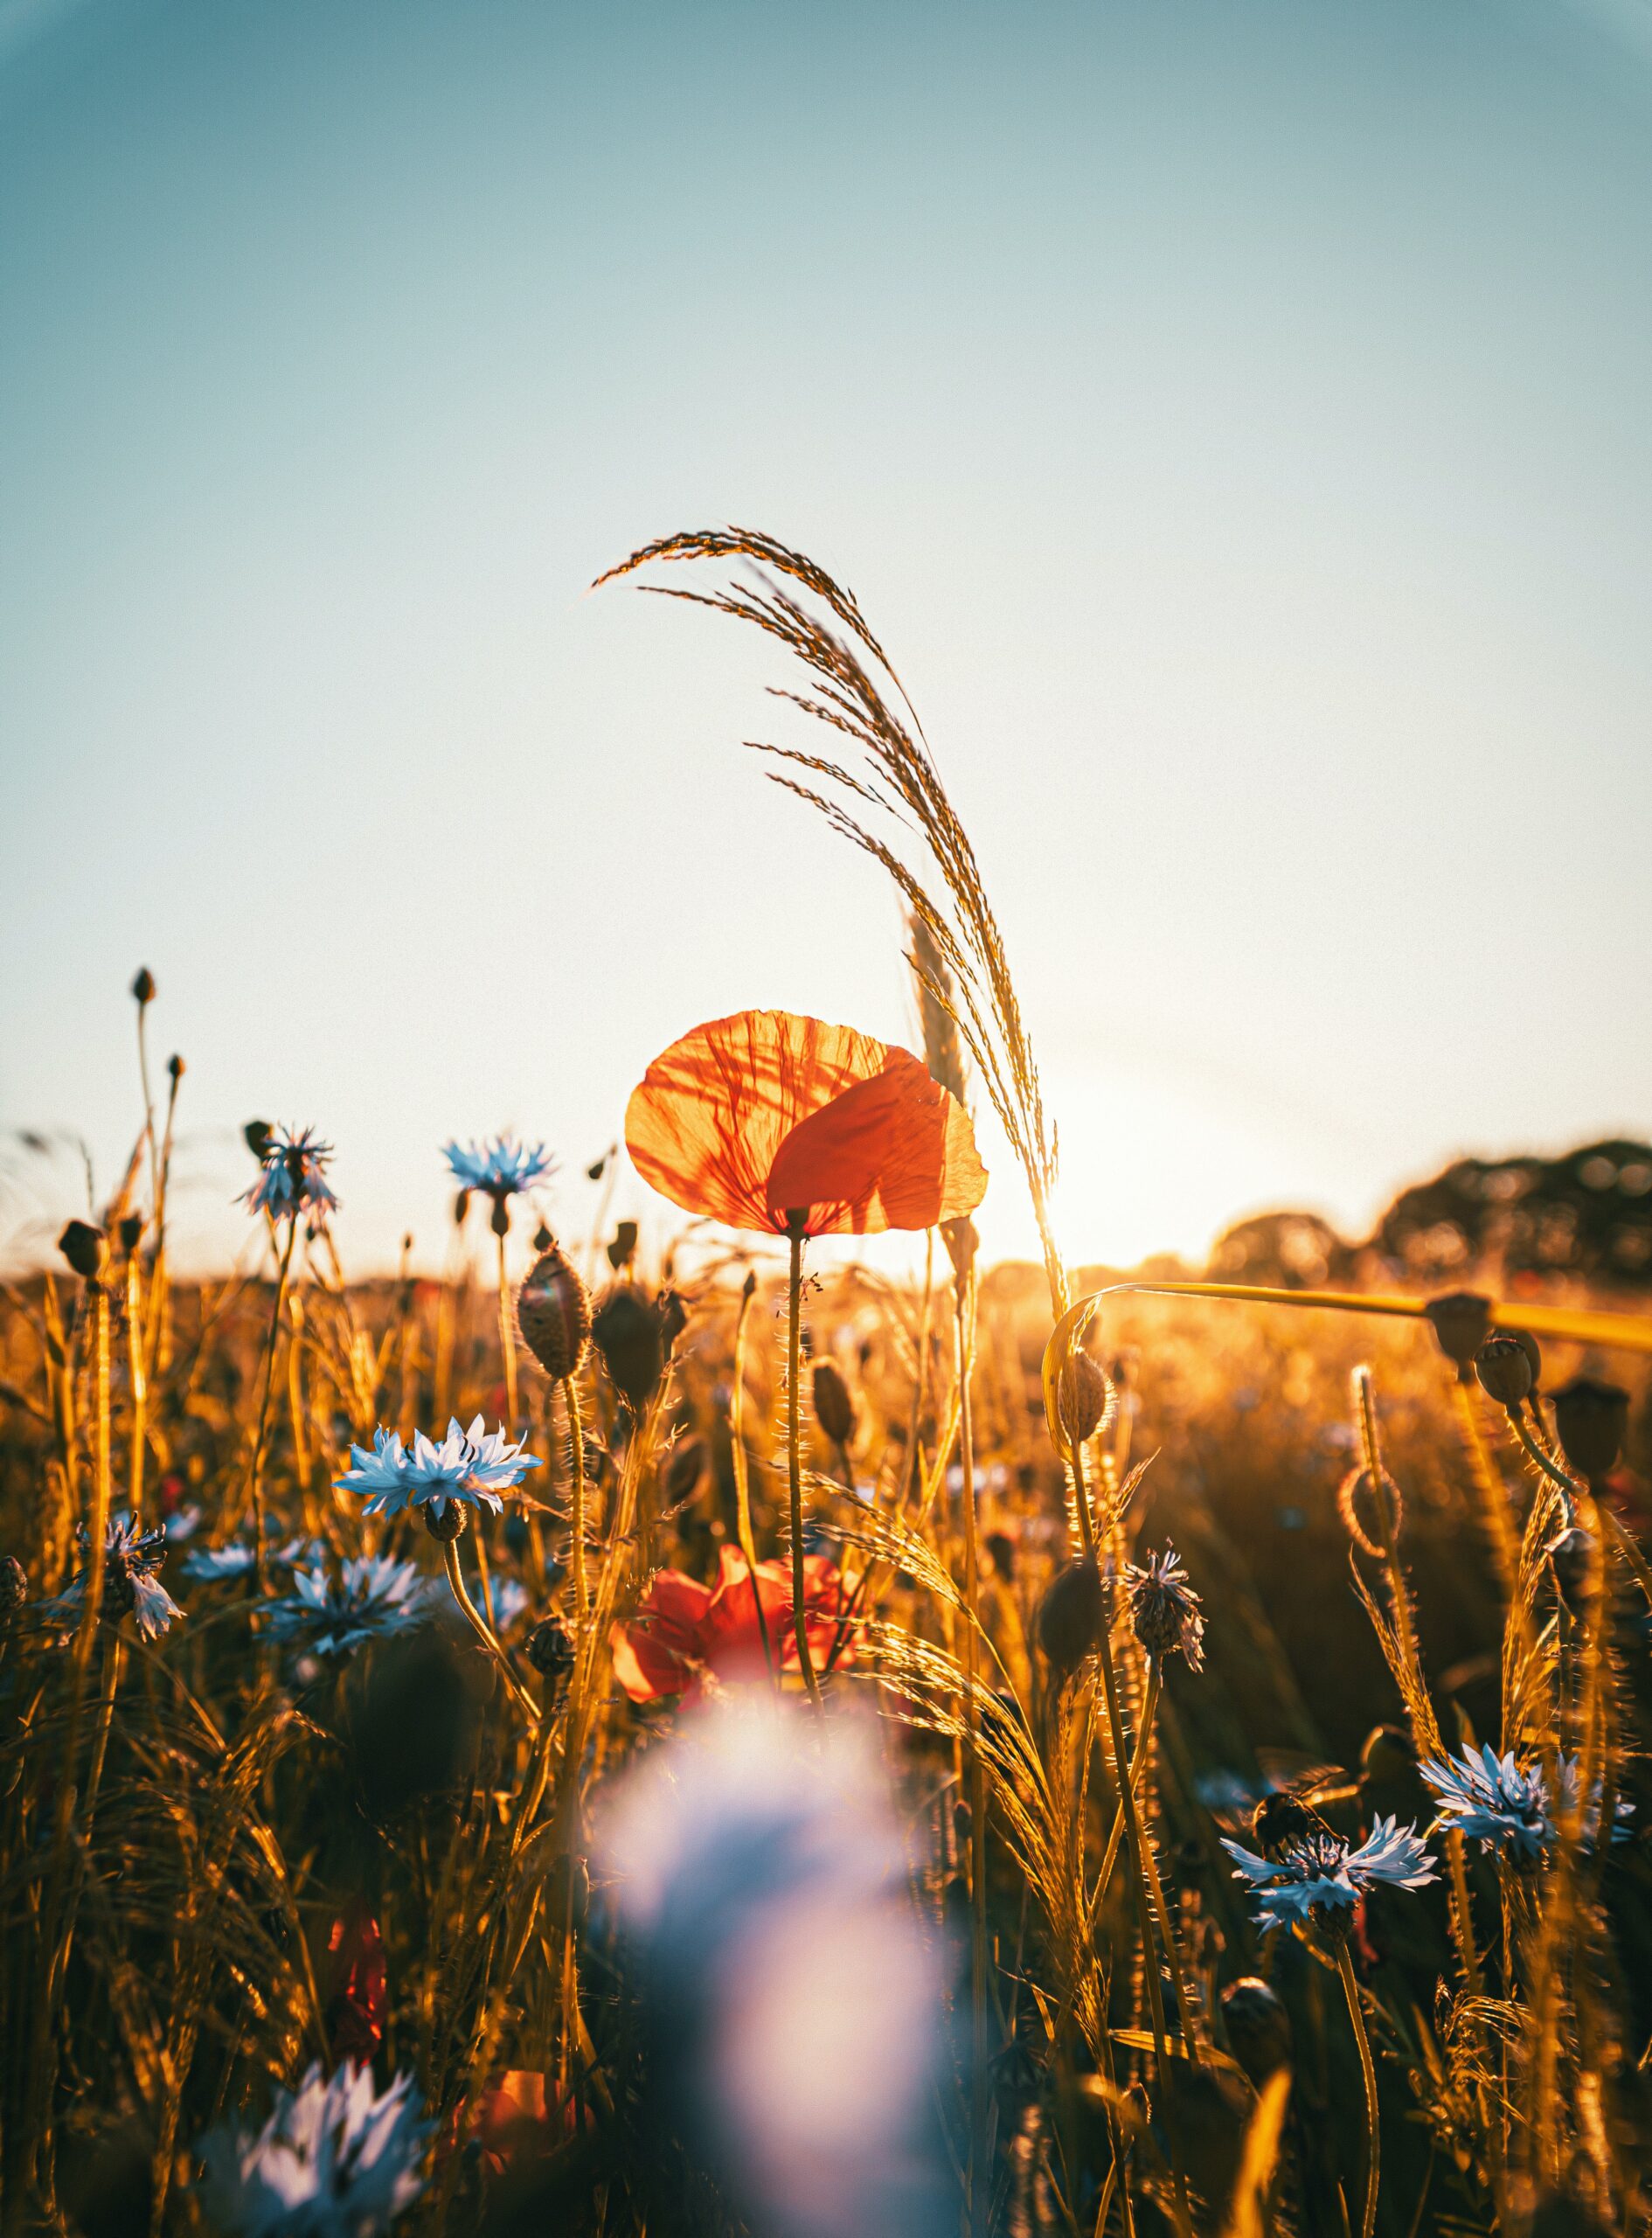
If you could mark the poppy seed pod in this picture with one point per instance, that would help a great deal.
(84, 1247)
(542, 1238)
(143, 987)
(1258, 2028)
(1083, 1396)
(549, 1648)
(1590, 1419)
(625, 1331)
(130, 1231)
(1462, 1322)
(1072, 1613)
(1504, 1368)
(553, 1313)
(832, 1408)
(176, 1069)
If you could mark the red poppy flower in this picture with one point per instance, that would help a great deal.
(754, 1117)
(685, 1634)
(356, 1986)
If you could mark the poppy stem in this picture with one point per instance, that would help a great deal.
(794, 1445)
(742, 1481)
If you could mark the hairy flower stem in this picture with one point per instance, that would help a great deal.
(1135, 1843)
(135, 1381)
(1493, 1505)
(257, 1482)
(979, 2144)
(794, 1445)
(576, 1494)
(1368, 2070)
(507, 1339)
(742, 1475)
(485, 1633)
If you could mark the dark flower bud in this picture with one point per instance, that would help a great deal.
(673, 1319)
(549, 1648)
(1072, 1614)
(1001, 1552)
(130, 1230)
(1083, 1396)
(83, 1246)
(460, 1207)
(1462, 1322)
(256, 1134)
(622, 1250)
(445, 1519)
(1590, 1419)
(542, 1238)
(832, 1408)
(1259, 2027)
(1504, 1368)
(499, 1219)
(596, 1173)
(176, 1068)
(143, 987)
(625, 1331)
(553, 1313)
(14, 1584)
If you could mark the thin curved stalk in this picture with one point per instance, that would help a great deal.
(1368, 2070)
(742, 1474)
(484, 1632)
(507, 1339)
(576, 1496)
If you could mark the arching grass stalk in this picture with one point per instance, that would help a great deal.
(260, 1439)
(1367, 2071)
(135, 1381)
(794, 1224)
(576, 1493)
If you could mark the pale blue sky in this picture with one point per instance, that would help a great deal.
(1233, 416)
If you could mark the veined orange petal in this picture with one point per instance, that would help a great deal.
(896, 1151)
(715, 1116)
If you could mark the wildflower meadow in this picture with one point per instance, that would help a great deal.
(719, 1737)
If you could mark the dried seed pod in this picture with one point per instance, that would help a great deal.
(625, 1331)
(143, 987)
(174, 1068)
(85, 1247)
(833, 1410)
(1590, 1419)
(1462, 1322)
(1072, 1614)
(1259, 2027)
(130, 1232)
(549, 1648)
(1084, 1397)
(553, 1313)
(543, 1238)
(1504, 1368)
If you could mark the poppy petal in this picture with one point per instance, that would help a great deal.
(894, 1151)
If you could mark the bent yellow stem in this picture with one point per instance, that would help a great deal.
(1368, 2070)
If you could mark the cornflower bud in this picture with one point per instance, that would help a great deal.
(143, 987)
(445, 1519)
(549, 1648)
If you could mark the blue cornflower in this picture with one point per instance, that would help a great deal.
(475, 1465)
(213, 1565)
(336, 2159)
(501, 1168)
(1320, 1873)
(374, 1598)
(290, 1181)
(132, 1586)
(503, 1602)
(1504, 1804)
